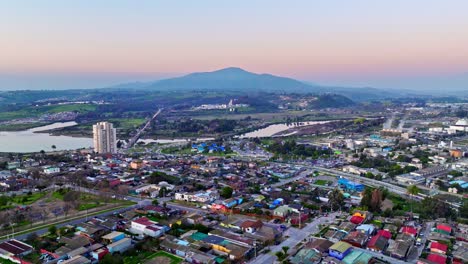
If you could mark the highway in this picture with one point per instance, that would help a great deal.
(61, 224)
(140, 131)
(366, 181)
(375, 183)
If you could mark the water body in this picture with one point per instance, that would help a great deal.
(271, 130)
(29, 141)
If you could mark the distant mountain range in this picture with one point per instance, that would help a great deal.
(237, 79)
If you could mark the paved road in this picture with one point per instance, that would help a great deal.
(135, 138)
(72, 222)
(295, 237)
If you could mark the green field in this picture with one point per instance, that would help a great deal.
(82, 108)
(145, 256)
(321, 182)
(127, 123)
(5, 261)
(20, 127)
(28, 199)
(36, 111)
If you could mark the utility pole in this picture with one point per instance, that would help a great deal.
(255, 247)
(300, 219)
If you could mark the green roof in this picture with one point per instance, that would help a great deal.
(340, 246)
(306, 256)
(198, 236)
(219, 260)
(357, 256)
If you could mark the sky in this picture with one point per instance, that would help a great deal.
(85, 44)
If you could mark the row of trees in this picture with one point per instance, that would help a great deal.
(290, 147)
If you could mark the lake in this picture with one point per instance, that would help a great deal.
(29, 141)
(271, 130)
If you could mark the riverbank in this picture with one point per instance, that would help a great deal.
(38, 139)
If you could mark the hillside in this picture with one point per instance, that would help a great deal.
(237, 79)
(232, 79)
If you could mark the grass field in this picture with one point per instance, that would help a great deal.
(28, 199)
(5, 261)
(321, 182)
(20, 127)
(36, 111)
(88, 201)
(127, 123)
(144, 257)
(174, 259)
(82, 108)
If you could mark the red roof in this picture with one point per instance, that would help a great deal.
(144, 221)
(373, 241)
(114, 182)
(445, 228)
(437, 258)
(385, 234)
(356, 219)
(439, 246)
(15, 247)
(153, 228)
(409, 230)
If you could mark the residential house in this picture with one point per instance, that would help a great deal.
(250, 226)
(282, 211)
(377, 243)
(339, 250)
(439, 248)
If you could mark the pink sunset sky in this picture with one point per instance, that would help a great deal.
(86, 44)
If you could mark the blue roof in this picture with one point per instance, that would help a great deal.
(457, 182)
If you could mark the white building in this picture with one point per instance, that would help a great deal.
(145, 227)
(104, 138)
(51, 170)
(201, 197)
(460, 125)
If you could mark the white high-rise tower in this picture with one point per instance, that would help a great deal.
(104, 137)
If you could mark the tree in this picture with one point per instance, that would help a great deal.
(226, 192)
(54, 147)
(53, 230)
(162, 192)
(155, 202)
(376, 201)
(279, 255)
(4, 200)
(335, 199)
(464, 209)
(366, 197)
(112, 259)
(412, 190)
(285, 249)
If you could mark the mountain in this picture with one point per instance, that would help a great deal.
(232, 79)
(237, 79)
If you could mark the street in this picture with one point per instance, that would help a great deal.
(295, 237)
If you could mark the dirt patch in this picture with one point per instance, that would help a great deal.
(386, 204)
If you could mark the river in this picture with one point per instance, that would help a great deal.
(271, 130)
(29, 141)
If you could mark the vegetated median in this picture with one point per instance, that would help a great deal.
(84, 214)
